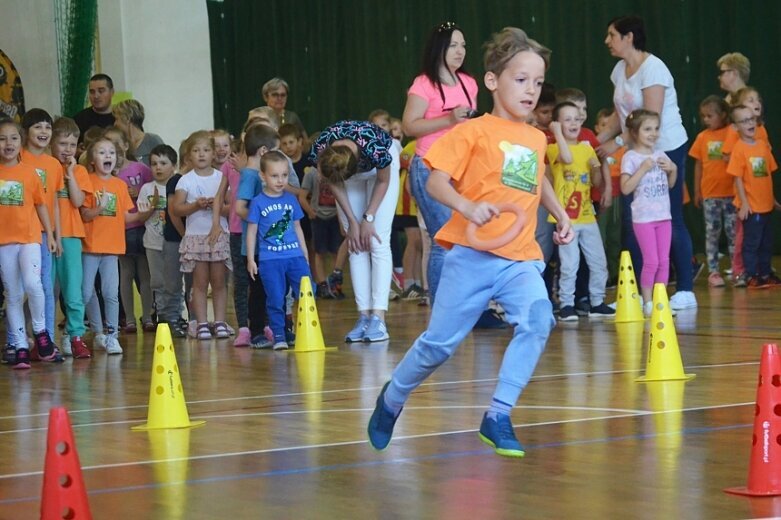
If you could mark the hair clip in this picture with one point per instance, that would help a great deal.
(446, 26)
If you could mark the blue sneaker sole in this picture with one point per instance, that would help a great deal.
(518, 454)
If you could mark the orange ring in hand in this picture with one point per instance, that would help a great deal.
(503, 239)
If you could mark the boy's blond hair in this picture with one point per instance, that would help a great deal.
(505, 44)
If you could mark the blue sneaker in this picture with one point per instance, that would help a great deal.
(381, 423)
(499, 434)
(356, 334)
(376, 331)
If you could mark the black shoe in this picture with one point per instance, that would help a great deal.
(583, 307)
(490, 319)
(567, 313)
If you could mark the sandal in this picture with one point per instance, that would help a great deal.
(149, 326)
(221, 330)
(203, 331)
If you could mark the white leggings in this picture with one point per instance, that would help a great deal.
(20, 269)
(370, 271)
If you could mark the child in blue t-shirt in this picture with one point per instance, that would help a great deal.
(274, 225)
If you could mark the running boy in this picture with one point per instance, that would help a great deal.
(494, 158)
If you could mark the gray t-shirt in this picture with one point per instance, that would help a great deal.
(147, 144)
(322, 199)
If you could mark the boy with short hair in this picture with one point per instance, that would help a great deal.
(495, 158)
(752, 164)
(68, 267)
(274, 231)
(609, 218)
(543, 112)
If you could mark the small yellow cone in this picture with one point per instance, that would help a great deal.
(309, 335)
(167, 407)
(663, 361)
(628, 306)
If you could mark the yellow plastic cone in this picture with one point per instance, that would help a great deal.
(663, 361)
(167, 407)
(309, 335)
(628, 306)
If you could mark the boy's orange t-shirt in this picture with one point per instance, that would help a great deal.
(614, 165)
(106, 233)
(755, 164)
(733, 137)
(71, 225)
(493, 160)
(707, 149)
(20, 191)
(49, 171)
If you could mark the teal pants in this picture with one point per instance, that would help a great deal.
(69, 274)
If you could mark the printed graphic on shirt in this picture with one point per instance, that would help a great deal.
(758, 166)
(714, 150)
(42, 175)
(64, 193)
(276, 233)
(611, 161)
(519, 170)
(109, 201)
(158, 217)
(11, 193)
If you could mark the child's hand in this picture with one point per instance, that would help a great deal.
(480, 213)
(563, 234)
(155, 198)
(607, 197)
(665, 163)
(697, 199)
(58, 251)
(133, 192)
(101, 201)
(51, 243)
(647, 165)
(209, 202)
(311, 214)
(555, 127)
(252, 267)
(69, 168)
(214, 235)
(744, 212)
(203, 202)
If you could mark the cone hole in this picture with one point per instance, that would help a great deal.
(312, 308)
(660, 345)
(62, 447)
(621, 268)
(65, 481)
(660, 325)
(176, 367)
(314, 323)
(759, 383)
(756, 410)
(300, 308)
(180, 389)
(299, 323)
(777, 409)
(300, 295)
(776, 380)
(160, 369)
(171, 347)
(660, 306)
(629, 268)
(632, 282)
(159, 390)
(754, 440)
(620, 282)
(309, 293)
(68, 513)
(160, 348)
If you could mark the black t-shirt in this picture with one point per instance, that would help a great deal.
(88, 118)
(169, 231)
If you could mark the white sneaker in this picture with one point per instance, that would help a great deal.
(112, 345)
(65, 345)
(100, 341)
(683, 300)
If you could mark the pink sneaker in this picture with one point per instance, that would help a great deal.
(715, 279)
(243, 338)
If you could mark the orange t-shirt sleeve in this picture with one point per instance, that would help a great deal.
(450, 156)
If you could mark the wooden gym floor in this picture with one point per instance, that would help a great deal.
(285, 433)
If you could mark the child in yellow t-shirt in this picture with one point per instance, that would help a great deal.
(494, 158)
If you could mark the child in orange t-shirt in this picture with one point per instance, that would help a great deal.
(495, 158)
(752, 164)
(104, 213)
(37, 129)
(713, 187)
(22, 212)
(67, 266)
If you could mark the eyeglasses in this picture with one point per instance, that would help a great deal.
(746, 121)
(278, 94)
(724, 71)
(446, 26)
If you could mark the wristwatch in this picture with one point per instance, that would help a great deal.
(619, 140)
(368, 217)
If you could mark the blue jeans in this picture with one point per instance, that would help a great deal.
(757, 244)
(681, 248)
(277, 276)
(470, 279)
(435, 215)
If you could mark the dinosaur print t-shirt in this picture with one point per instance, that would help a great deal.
(493, 160)
(275, 217)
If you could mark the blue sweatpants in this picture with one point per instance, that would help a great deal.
(469, 280)
(277, 276)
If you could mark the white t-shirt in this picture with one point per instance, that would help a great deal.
(628, 96)
(651, 202)
(153, 236)
(200, 222)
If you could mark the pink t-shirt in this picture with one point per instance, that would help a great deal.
(234, 221)
(135, 175)
(651, 201)
(454, 97)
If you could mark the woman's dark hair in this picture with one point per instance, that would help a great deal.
(436, 48)
(630, 24)
(337, 163)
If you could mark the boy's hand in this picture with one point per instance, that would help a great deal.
(563, 234)
(58, 250)
(607, 197)
(51, 243)
(555, 127)
(133, 192)
(480, 213)
(697, 199)
(744, 212)
(155, 198)
(69, 168)
(252, 267)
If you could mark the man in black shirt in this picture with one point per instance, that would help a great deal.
(101, 89)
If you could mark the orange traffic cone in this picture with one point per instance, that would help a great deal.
(64, 495)
(309, 335)
(764, 467)
(663, 360)
(628, 306)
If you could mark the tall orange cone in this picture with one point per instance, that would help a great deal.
(628, 306)
(167, 407)
(764, 467)
(309, 335)
(663, 361)
(64, 495)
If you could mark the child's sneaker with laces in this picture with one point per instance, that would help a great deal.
(280, 345)
(324, 292)
(715, 279)
(65, 345)
(376, 330)
(601, 311)
(381, 423)
(9, 355)
(567, 313)
(243, 338)
(335, 282)
(499, 434)
(773, 281)
(99, 341)
(741, 280)
(22, 359)
(112, 345)
(357, 332)
(757, 282)
(261, 342)
(80, 350)
(47, 350)
(413, 292)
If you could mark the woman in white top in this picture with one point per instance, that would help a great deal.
(642, 80)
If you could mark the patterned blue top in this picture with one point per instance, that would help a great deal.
(373, 142)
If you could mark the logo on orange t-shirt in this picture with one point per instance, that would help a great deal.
(519, 170)
(11, 193)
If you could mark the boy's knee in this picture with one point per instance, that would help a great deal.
(433, 354)
(541, 320)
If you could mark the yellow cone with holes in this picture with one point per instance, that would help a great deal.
(628, 305)
(167, 407)
(309, 335)
(663, 360)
